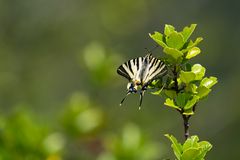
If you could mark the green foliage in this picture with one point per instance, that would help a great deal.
(177, 45)
(191, 149)
(187, 85)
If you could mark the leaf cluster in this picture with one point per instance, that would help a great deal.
(191, 149)
(186, 84)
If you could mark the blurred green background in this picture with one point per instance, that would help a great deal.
(60, 94)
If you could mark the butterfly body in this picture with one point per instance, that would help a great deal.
(141, 72)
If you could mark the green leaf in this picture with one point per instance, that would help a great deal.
(158, 37)
(193, 52)
(208, 82)
(203, 91)
(168, 29)
(192, 44)
(191, 142)
(170, 93)
(182, 99)
(169, 102)
(205, 147)
(199, 71)
(191, 103)
(175, 40)
(191, 149)
(191, 154)
(174, 53)
(188, 67)
(191, 88)
(187, 77)
(196, 42)
(158, 92)
(187, 31)
(188, 112)
(177, 147)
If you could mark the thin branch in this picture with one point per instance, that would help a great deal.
(186, 125)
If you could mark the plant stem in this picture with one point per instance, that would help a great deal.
(186, 125)
(185, 117)
(175, 79)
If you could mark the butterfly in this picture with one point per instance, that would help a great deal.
(141, 72)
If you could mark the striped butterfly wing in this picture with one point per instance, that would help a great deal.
(156, 68)
(142, 69)
(131, 68)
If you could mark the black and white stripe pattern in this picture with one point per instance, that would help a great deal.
(142, 69)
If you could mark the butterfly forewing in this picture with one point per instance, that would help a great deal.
(130, 69)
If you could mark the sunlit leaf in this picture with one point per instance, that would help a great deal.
(190, 154)
(174, 53)
(191, 103)
(169, 102)
(169, 29)
(191, 142)
(187, 31)
(199, 71)
(177, 147)
(175, 40)
(158, 37)
(192, 44)
(203, 91)
(191, 88)
(193, 52)
(158, 92)
(188, 112)
(187, 77)
(205, 147)
(191, 149)
(208, 82)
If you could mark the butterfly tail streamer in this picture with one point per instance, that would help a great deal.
(124, 98)
(141, 98)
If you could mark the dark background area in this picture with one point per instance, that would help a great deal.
(59, 91)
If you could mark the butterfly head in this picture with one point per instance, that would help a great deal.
(132, 87)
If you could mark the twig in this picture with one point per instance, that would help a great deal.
(186, 125)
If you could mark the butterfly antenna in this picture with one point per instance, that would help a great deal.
(154, 48)
(150, 51)
(124, 98)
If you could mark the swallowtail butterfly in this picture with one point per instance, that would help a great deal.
(141, 72)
